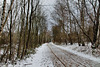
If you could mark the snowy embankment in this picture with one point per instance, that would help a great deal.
(82, 51)
(40, 59)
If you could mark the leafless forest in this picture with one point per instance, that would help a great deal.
(24, 26)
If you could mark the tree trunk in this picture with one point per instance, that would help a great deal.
(96, 28)
(24, 46)
(10, 37)
(30, 21)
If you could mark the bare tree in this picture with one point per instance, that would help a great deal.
(5, 20)
(3, 13)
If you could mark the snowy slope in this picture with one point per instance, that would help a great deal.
(69, 49)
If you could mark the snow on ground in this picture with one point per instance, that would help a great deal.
(83, 49)
(40, 59)
(77, 50)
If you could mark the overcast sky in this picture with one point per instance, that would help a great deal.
(48, 9)
(48, 2)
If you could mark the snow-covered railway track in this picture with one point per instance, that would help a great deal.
(68, 59)
(80, 62)
(58, 59)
